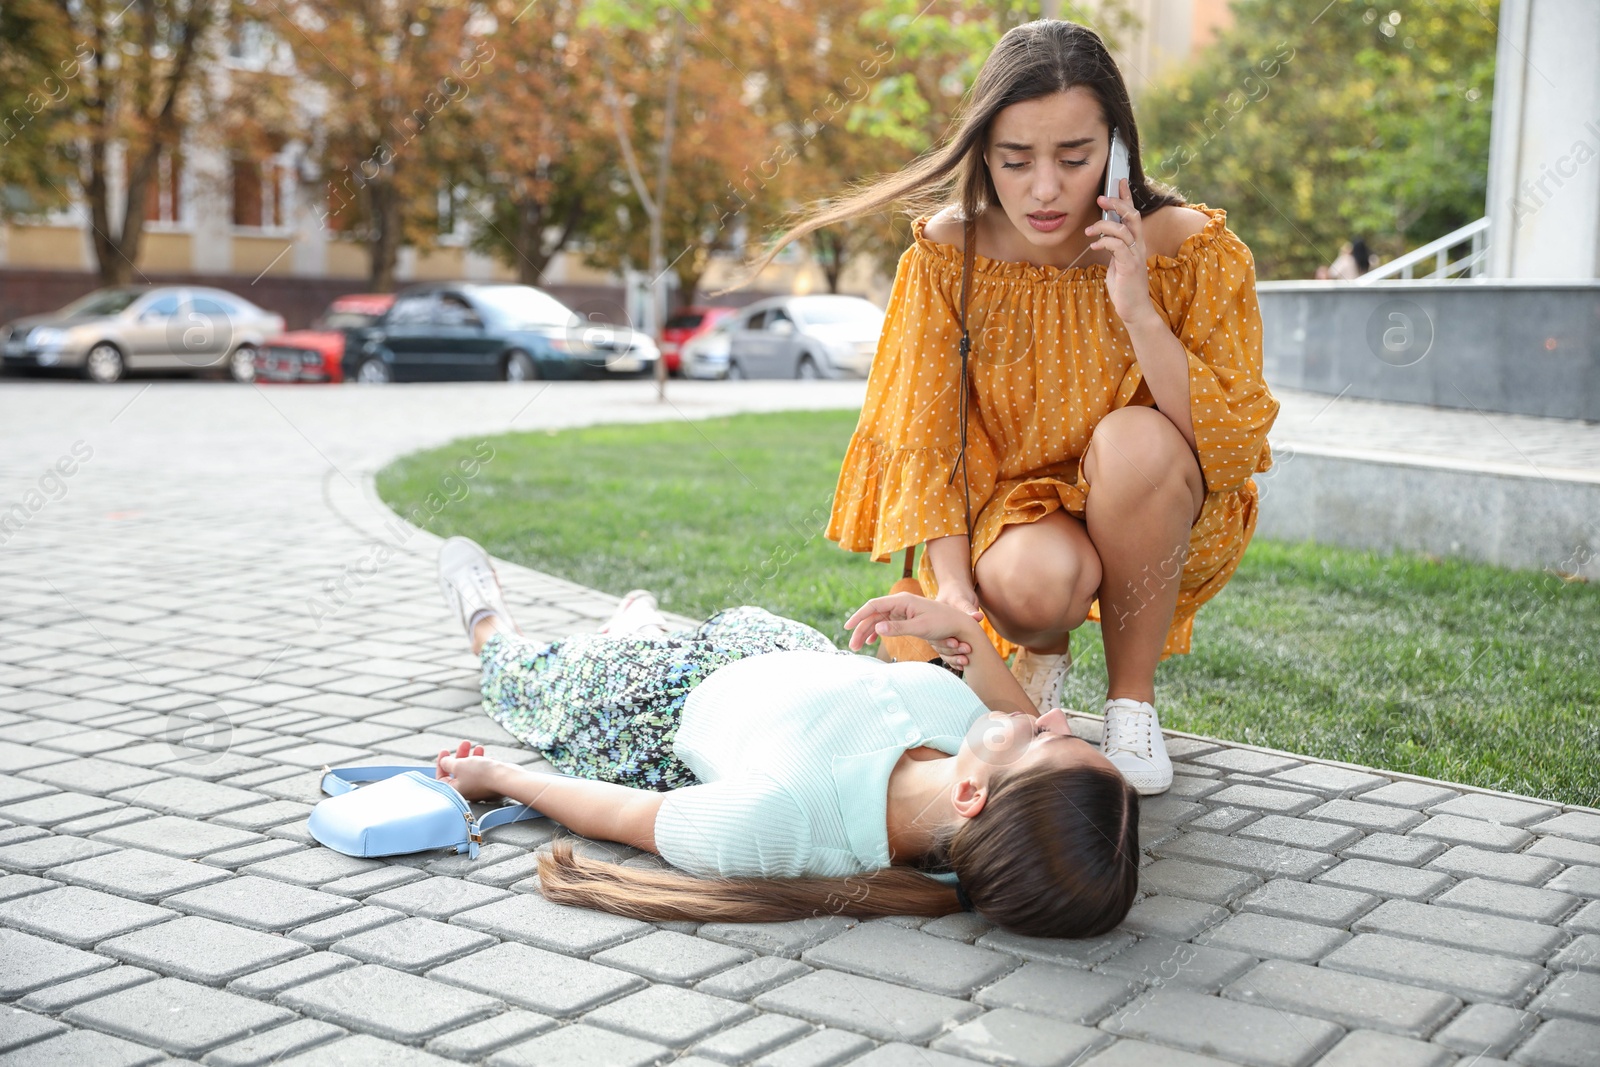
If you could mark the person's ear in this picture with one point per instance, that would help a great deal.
(968, 796)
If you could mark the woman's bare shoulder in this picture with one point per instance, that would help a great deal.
(1170, 226)
(946, 228)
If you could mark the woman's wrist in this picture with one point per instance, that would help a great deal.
(503, 777)
(950, 560)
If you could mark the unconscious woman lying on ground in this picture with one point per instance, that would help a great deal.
(786, 778)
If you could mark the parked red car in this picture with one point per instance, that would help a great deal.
(315, 355)
(686, 323)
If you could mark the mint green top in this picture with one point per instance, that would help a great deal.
(794, 750)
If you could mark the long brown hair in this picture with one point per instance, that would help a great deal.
(1036, 59)
(1053, 853)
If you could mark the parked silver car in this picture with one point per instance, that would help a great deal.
(705, 355)
(112, 331)
(822, 336)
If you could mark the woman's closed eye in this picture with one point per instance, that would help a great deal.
(1068, 162)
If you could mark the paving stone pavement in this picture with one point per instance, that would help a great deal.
(203, 603)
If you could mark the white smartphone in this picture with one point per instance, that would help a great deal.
(1116, 170)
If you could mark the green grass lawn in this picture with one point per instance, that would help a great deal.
(1453, 670)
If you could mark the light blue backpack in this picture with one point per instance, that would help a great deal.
(406, 810)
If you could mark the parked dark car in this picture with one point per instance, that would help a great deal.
(490, 331)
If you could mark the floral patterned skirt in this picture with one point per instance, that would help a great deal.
(607, 706)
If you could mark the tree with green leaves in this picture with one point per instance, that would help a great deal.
(84, 86)
(1367, 120)
(393, 128)
(540, 147)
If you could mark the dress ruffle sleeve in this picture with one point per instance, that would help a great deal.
(895, 487)
(1208, 296)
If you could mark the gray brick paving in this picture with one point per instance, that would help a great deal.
(1465, 861)
(165, 708)
(274, 1045)
(1010, 1036)
(1268, 936)
(32, 962)
(752, 1038)
(1243, 1033)
(750, 979)
(544, 981)
(137, 874)
(582, 1046)
(1466, 974)
(388, 1003)
(878, 1009)
(1387, 879)
(201, 950)
(412, 944)
(1064, 992)
(669, 956)
(912, 958)
(1447, 926)
(180, 1017)
(54, 999)
(259, 903)
(669, 1015)
(1486, 1029)
(1349, 1000)
(431, 898)
(1363, 1047)
(1561, 1043)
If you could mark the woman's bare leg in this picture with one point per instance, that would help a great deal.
(1147, 491)
(486, 628)
(1037, 580)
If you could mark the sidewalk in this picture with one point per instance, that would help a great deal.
(211, 606)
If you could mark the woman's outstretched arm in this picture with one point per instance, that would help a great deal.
(907, 614)
(599, 810)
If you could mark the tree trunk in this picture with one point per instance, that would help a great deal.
(114, 268)
(530, 244)
(384, 243)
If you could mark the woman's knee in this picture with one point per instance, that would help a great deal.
(1045, 590)
(1140, 447)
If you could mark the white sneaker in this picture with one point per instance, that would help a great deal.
(1134, 745)
(1041, 676)
(637, 614)
(468, 582)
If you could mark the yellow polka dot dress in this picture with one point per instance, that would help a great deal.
(1050, 358)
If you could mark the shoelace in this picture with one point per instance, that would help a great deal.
(1038, 668)
(1128, 730)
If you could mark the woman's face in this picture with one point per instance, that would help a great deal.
(1014, 740)
(1047, 159)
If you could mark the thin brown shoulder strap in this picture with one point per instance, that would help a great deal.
(968, 242)
(968, 250)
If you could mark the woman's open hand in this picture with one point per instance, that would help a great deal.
(469, 771)
(948, 629)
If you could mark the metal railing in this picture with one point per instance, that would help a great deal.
(1471, 265)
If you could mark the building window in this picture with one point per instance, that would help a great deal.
(163, 201)
(258, 194)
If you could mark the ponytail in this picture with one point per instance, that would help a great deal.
(1053, 853)
(660, 895)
